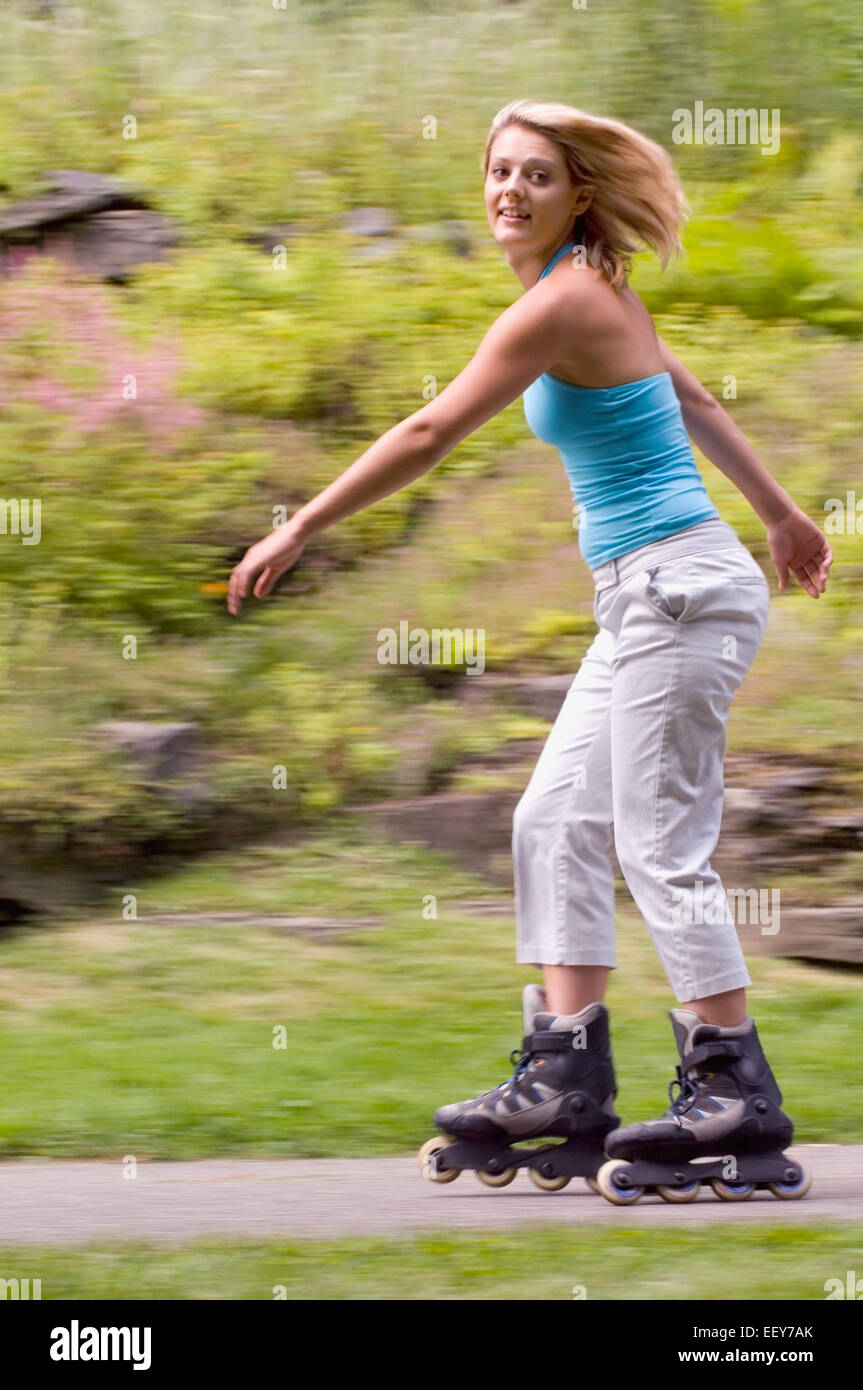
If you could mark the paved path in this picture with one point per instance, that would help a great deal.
(58, 1202)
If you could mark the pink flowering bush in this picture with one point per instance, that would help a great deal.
(63, 349)
(141, 493)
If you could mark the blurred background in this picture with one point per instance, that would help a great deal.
(237, 244)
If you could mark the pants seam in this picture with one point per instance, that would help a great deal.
(561, 942)
(658, 826)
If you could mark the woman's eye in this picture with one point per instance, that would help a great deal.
(500, 170)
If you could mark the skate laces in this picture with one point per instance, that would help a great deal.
(688, 1094)
(701, 1062)
(521, 1065)
(521, 1061)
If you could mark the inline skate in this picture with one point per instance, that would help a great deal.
(563, 1087)
(724, 1127)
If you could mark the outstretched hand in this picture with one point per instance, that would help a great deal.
(796, 544)
(270, 558)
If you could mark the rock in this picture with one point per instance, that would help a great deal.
(828, 834)
(37, 879)
(475, 827)
(742, 802)
(776, 824)
(456, 234)
(485, 907)
(452, 231)
(544, 695)
(109, 244)
(747, 811)
(165, 749)
(841, 832)
(369, 222)
(279, 235)
(378, 248)
(541, 695)
(312, 927)
(95, 222)
(797, 779)
(516, 752)
(824, 935)
(71, 194)
(13, 912)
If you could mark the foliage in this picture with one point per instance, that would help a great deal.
(160, 424)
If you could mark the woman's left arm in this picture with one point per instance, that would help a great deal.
(795, 542)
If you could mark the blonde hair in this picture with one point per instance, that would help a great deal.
(637, 197)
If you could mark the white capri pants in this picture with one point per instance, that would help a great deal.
(637, 753)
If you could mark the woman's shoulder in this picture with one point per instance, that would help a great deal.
(612, 335)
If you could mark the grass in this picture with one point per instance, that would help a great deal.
(758, 1262)
(124, 1037)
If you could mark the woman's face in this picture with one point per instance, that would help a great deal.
(527, 172)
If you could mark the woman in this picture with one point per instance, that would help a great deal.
(637, 750)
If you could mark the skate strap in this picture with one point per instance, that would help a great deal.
(706, 1051)
(547, 1042)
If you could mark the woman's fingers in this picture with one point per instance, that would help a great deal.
(256, 562)
(266, 581)
(806, 581)
(238, 588)
(808, 557)
(813, 576)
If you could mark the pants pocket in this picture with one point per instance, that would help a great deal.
(667, 598)
(679, 588)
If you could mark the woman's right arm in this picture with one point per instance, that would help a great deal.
(399, 457)
(524, 341)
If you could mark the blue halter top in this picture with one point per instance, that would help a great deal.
(626, 452)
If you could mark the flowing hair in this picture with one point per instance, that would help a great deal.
(637, 197)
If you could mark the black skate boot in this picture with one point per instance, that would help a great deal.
(563, 1087)
(725, 1126)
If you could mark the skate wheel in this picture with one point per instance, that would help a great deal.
(496, 1179)
(592, 1184)
(427, 1160)
(613, 1183)
(790, 1190)
(732, 1191)
(680, 1194)
(547, 1184)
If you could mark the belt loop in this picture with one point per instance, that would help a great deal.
(606, 576)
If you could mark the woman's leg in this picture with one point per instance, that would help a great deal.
(561, 838)
(686, 633)
(570, 988)
(726, 1009)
